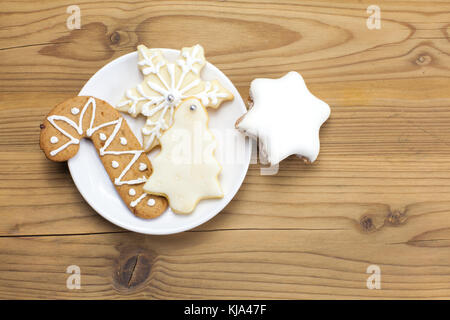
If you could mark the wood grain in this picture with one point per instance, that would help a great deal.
(378, 194)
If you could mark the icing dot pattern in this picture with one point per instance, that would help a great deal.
(78, 126)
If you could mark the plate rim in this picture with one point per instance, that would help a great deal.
(203, 219)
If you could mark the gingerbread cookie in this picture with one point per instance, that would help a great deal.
(186, 171)
(119, 150)
(165, 86)
(285, 117)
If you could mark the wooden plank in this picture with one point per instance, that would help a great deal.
(397, 159)
(378, 194)
(325, 41)
(224, 264)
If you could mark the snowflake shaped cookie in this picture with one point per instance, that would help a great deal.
(285, 118)
(165, 86)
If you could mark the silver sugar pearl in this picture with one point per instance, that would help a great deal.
(193, 107)
(170, 98)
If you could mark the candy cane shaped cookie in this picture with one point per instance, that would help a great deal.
(120, 152)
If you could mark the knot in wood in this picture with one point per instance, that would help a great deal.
(396, 217)
(423, 60)
(115, 37)
(367, 224)
(132, 271)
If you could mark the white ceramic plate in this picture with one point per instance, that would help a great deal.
(233, 152)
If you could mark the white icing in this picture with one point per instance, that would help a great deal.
(54, 139)
(142, 166)
(78, 127)
(102, 136)
(285, 117)
(165, 86)
(135, 202)
(123, 141)
(132, 192)
(151, 202)
(103, 150)
(75, 111)
(189, 177)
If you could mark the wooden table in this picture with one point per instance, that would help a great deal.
(379, 193)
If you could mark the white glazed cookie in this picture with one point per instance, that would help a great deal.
(285, 117)
(186, 171)
(164, 87)
(120, 152)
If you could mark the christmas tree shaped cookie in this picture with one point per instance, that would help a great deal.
(186, 171)
(165, 86)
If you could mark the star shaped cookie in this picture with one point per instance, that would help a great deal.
(285, 118)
